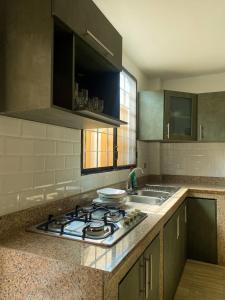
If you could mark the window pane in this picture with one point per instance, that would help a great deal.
(126, 134)
(98, 148)
(90, 160)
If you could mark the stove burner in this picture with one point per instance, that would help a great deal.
(96, 226)
(87, 209)
(60, 221)
(98, 229)
(114, 213)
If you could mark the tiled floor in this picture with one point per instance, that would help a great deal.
(201, 281)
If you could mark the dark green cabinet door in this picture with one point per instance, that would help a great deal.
(132, 286)
(202, 230)
(175, 242)
(86, 20)
(171, 256)
(211, 117)
(152, 268)
(150, 115)
(182, 239)
(180, 116)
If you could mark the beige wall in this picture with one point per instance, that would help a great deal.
(41, 163)
(142, 80)
(197, 84)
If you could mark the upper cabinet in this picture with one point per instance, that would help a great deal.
(211, 117)
(87, 21)
(57, 55)
(179, 116)
(167, 116)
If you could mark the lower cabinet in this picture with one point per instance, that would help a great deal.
(174, 249)
(202, 230)
(142, 281)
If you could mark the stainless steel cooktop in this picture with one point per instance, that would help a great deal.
(92, 224)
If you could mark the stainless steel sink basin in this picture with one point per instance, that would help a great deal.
(162, 188)
(146, 200)
(153, 194)
(160, 194)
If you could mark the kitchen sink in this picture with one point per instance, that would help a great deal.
(153, 194)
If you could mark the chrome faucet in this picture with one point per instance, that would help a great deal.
(130, 185)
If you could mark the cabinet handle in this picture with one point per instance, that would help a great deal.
(201, 132)
(141, 271)
(178, 227)
(146, 278)
(89, 33)
(185, 214)
(168, 131)
(151, 272)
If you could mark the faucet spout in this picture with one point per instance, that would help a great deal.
(130, 187)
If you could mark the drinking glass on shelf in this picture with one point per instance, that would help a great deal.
(81, 100)
(85, 98)
(90, 104)
(100, 105)
(95, 104)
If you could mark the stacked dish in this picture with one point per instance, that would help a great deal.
(111, 197)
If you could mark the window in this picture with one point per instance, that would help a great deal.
(99, 145)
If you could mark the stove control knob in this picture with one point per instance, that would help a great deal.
(126, 220)
(131, 216)
(134, 214)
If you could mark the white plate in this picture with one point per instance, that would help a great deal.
(111, 193)
(110, 198)
(109, 203)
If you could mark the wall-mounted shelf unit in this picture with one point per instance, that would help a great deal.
(37, 81)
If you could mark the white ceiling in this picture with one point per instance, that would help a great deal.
(171, 38)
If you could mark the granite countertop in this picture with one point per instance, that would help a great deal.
(97, 257)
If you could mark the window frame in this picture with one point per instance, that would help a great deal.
(115, 166)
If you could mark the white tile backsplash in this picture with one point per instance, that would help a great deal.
(16, 182)
(32, 164)
(42, 147)
(9, 164)
(72, 161)
(55, 163)
(34, 130)
(10, 126)
(44, 179)
(64, 148)
(62, 134)
(63, 176)
(193, 159)
(41, 163)
(18, 146)
(1, 145)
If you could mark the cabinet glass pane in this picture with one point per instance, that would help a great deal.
(181, 116)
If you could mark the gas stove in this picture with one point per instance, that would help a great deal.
(92, 224)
